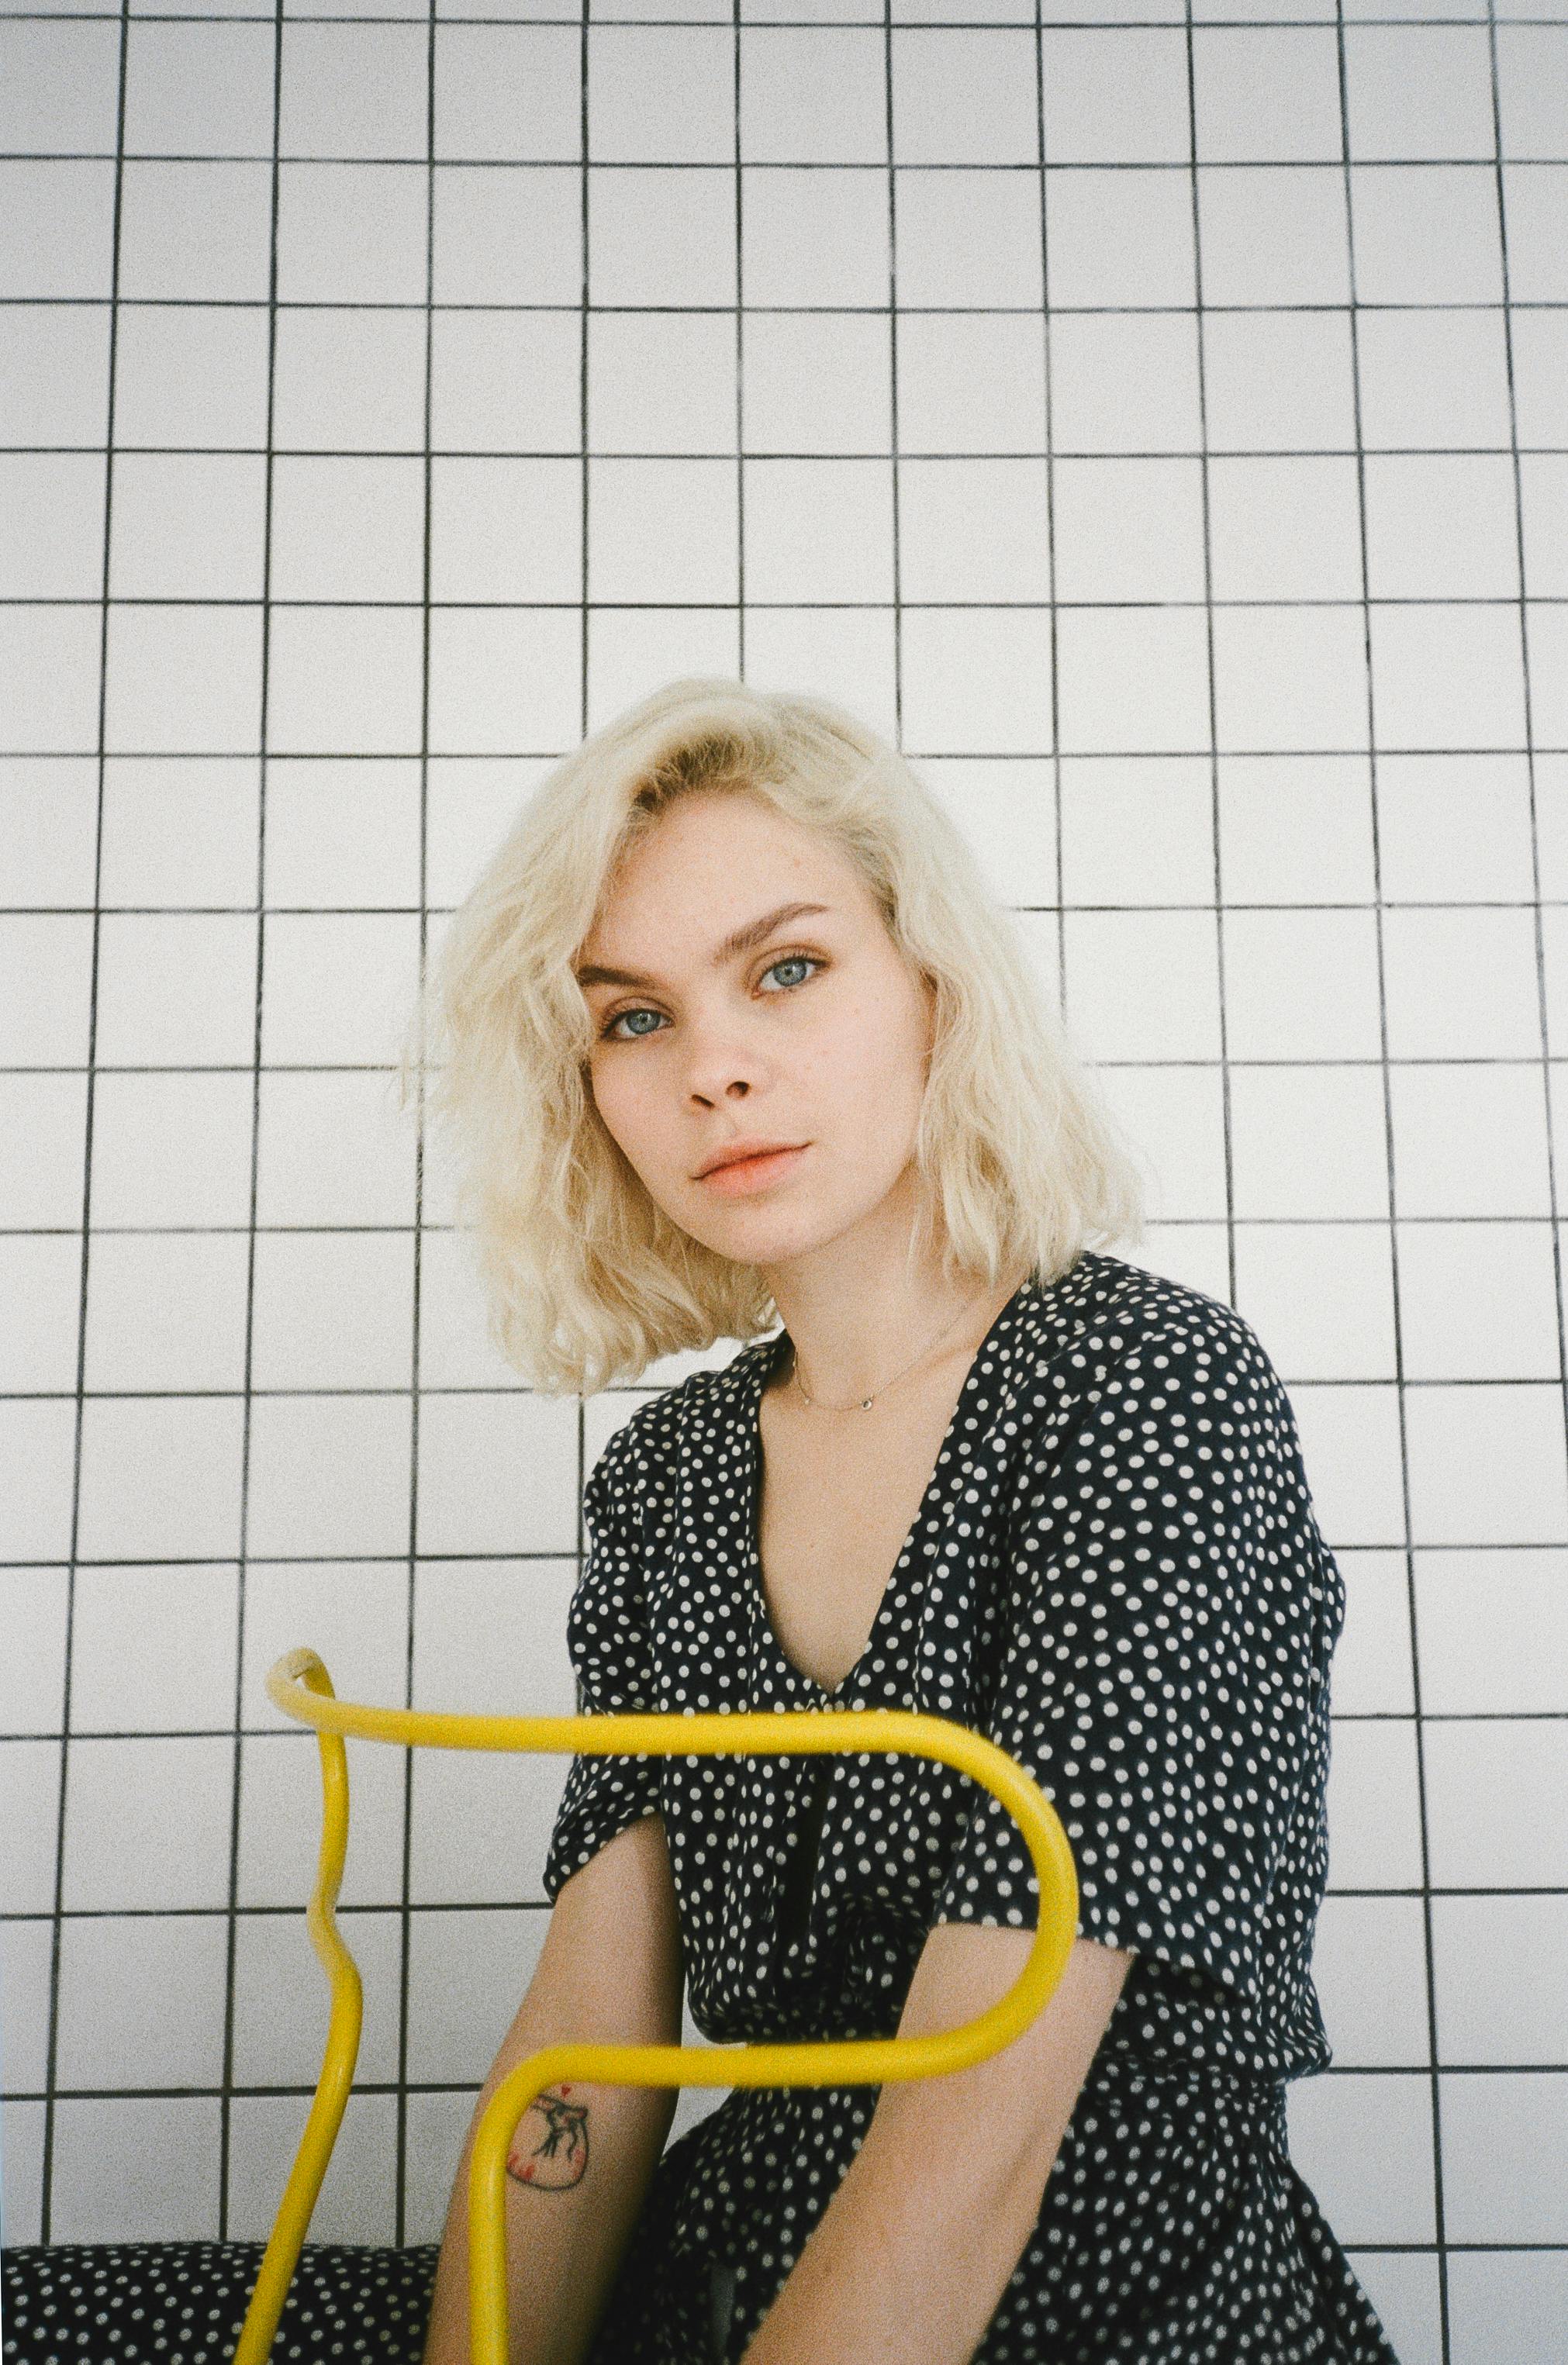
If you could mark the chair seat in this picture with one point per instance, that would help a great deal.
(150, 2302)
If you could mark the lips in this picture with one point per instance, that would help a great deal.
(743, 1153)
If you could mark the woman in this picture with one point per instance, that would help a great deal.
(732, 1031)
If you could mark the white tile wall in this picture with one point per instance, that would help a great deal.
(1195, 510)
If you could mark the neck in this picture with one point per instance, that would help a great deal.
(852, 1342)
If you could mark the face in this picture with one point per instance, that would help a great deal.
(734, 1018)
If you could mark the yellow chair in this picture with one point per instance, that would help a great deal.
(299, 1685)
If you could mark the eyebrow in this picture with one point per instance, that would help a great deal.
(739, 940)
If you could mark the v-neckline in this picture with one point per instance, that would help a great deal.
(760, 1369)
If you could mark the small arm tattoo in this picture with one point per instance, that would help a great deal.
(550, 2148)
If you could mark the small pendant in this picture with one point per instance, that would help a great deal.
(866, 1403)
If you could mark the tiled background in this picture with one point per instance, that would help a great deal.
(1160, 425)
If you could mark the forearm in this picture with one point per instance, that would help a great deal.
(577, 2171)
(901, 2269)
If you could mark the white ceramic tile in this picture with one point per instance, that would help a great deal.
(1124, 529)
(1501, 1970)
(280, 1820)
(455, 1350)
(1505, 2150)
(1502, 1324)
(1506, 1440)
(348, 380)
(490, 1638)
(501, 681)
(41, 1283)
(1119, 381)
(507, 531)
(172, 1150)
(974, 239)
(658, 382)
(331, 1149)
(57, 228)
(180, 831)
(32, 1670)
(1273, 235)
(1364, 2144)
(52, 525)
(352, 1614)
(1442, 526)
(1372, 1669)
(509, 237)
(815, 236)
(338, 987)
(35, 1516)
(196, 231)
(111, 1965)
(1455, 828)
(1322, 1297)
(160, 1478)
(1470, 1140)
(190, 374)
(437, 2126)
(347, 528)
(1278, 1117)
(824, 523)
(1494, 1631)
(468, 1972)
(1540, 376)
(501, 381)
(1132, 681)
(662, 94)
(1136, 831)
(59, 88)
(146, 1824)
(140, 2170)
(816, 94)
(1431, 379)
(199, 90)
(353, 90)
(344, 834)
(176, 990)
(152, 1649)
(1497, 1803)
(1418, 91)
(333, 1309)
(1143, 985)
(50, 663)
(481, 1825)
(1370, 1968)
(167, 1311)
(1289, 677)
(344, 681)
(1267, 955)
(1263, 94)
(1119, 235)
(22, 2163)
(1374, 1813)
(1506, 2307)
(48, 817)
(26, 1948)
(816, 384)
(46, 964)
(354, 232)
(508, 92)
(498, 1470)
(1295, 829)
(1114, 97)
(282, 1997)
(329, 1475)
(1403, 2287)
(1284, 528)
(1426, 233)
(183, 680)
(359, 2194)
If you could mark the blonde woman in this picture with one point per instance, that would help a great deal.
(733, 1043)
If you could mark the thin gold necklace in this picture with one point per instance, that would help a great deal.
(867, 1402)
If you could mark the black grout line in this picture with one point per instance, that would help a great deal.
(52, 2039)
(236, 1801)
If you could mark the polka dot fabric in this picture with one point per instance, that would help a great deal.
(1117, 1575)
(85, 2303)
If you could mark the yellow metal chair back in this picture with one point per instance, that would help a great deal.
(299, 1685)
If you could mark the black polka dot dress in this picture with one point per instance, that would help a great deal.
(1116, 1575)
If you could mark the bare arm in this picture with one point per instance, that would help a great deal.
(582, 2154)
(908, 2261)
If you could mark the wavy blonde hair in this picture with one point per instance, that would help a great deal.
(587, 1280)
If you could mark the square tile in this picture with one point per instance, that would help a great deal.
(54, 373)
(58, 87)
(193, 374)
(1505, 2145)
(348, 528)
(57, 228)
(29, 1796)
(345, 680)
(1502, 1326)
(1372, 1673)
(183, 680)
(280, 1820)
(1501, 1969)
(176, 989)
(26, 1948)
(1497, 1803)
(1402, 2286)
(354, 1615)
(1266, 94)
(51, 525)
(490, 1638)
(1119, 236)
(349, 381)
(141, 2169)
(330, 1151)
(353, 91)
(146, 1824)
(505, 235)
(1275, 235)
(351, 233)
(507, 531)
(506, 381)
(1119, 381)
(508, 92)
(160, 1478)
(1494, 1631)
(32, 1672)
(1370, 1969)
(180, 831)
(142, 2000)
(282, 1997)
(468, 1973)
(197, 232)
(816, 94)
(815, 236)
(329, 1475)
(338, 987)
(172, 1150)
(1375, 1814)
(359, 2192)
(1364, 2143)
(661, 92)
(1115, 97)
(1470, 1140)
(132, 1629)
(658, 382)
(1505, 2305)
(1426, 234)
(197, 90)
(964, 95)
(972, 239)
(1418, 91)
(1455, 1496)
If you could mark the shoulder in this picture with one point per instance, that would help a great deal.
(646, 1445)
(1112, 1329)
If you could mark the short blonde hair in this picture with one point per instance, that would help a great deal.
(588, 1280)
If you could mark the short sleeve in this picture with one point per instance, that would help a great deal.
(1158, 1669)
(607, 1643)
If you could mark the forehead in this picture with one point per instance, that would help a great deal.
(722, 871)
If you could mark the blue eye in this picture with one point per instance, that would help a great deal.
(784, 960)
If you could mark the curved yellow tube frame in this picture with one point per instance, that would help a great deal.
(299, 1685)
